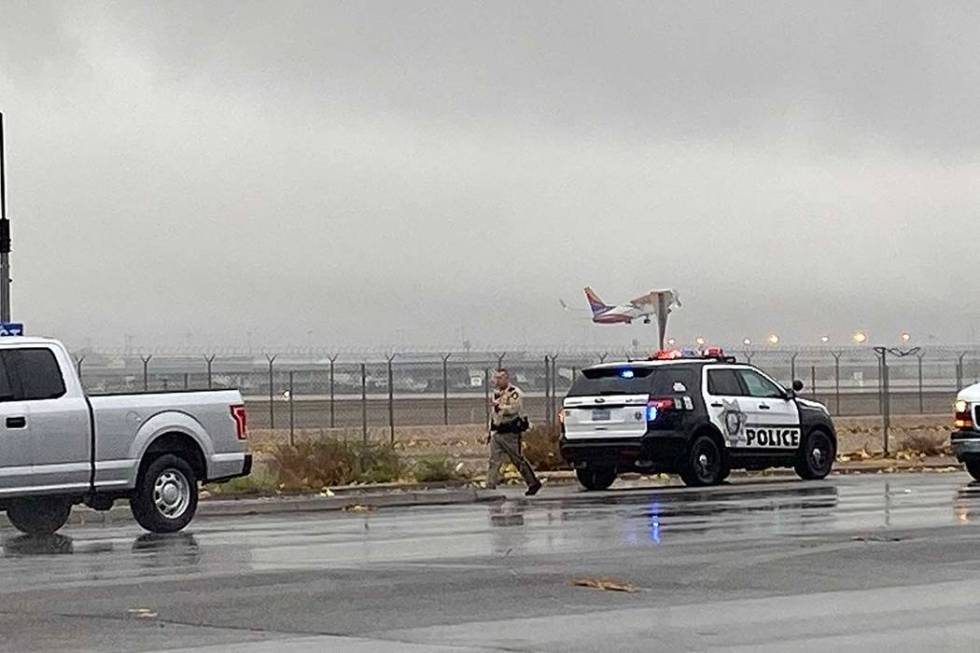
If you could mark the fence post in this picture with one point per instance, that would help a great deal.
(210, 361)
(602, 356)
(187, 380)
(547, 390)
(959, 371)
(837, 355)
(792, 367)
(486, 392)
(333, 421)
(391, 399)
(922, 405)
(445, 389)
(500, 360)
(813, 380)
(272, 391)
(146, 371)
(554, 389)
(292, 413)
(364, 429)
(882, 353)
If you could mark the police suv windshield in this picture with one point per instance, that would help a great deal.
(626, 380)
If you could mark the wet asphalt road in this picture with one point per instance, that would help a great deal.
(880, 562)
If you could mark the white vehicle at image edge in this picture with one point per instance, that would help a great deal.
(966, 438)
(60, 447)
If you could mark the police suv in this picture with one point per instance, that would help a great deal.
(697, 414)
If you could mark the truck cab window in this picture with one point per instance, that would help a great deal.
(34, 374)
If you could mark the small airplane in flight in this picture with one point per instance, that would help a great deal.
(654, 304)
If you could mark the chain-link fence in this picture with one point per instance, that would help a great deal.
(403, 389)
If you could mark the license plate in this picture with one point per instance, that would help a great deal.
(600, 415)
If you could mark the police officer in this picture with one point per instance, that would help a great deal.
(507, 423)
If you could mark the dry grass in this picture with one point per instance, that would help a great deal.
(926, 443)
(541, 448)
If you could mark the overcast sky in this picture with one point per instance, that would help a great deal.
(398, 173)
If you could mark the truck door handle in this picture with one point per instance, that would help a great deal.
(717, 406)
(763, 406)
(16, 422)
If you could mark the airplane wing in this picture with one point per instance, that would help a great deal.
(650, 299)
(570, 309)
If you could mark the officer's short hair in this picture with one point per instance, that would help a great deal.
(502, 370)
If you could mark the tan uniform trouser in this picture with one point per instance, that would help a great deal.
(504, 447)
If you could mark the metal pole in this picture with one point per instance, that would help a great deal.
(837, 356)
(272, 391)
(547, 390)
(146, 371)
(602, 357)
(813, 380)
(959, 371)
(792, 368)
(187, 380)
(292, 413)
(4, 236)
(391, 399)
(500, 360)
(333, 420)
(554, 388)
(486, 392)
(210, 361)
(445, 389)
(922, 406)
(364, 429)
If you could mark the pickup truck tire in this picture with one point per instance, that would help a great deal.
(38, 516)
(596, 478)
(166, 495)
(705, 464)
(817, 456)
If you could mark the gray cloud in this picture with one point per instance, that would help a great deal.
(411, 172)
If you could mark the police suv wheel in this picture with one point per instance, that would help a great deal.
(817, 457)
(596, 478)
(705, 464)
(166, 495)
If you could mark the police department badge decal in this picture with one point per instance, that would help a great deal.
(734, 420)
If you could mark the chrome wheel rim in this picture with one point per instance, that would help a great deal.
(706, 463)
(171, 493)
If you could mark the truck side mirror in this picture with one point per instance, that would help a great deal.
(797, 386)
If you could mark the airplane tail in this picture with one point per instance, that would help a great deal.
(595, 303)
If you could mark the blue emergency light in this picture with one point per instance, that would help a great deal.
(627, 374)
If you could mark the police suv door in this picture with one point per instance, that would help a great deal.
(774, 420)
(749, 409)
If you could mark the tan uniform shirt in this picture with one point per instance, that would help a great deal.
(510, 405)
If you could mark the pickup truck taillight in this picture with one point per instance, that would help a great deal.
(655, 407)
(241, 421)
(963, 419)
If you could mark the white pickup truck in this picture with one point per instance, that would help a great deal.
(60, 447)
(966, 438)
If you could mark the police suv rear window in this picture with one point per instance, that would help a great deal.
(632, 381)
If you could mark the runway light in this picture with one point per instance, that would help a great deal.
(671, 342)
(825, 339)
(906, 336)
(700, 340)
(860, 337)
(747, 342)
(773, 339)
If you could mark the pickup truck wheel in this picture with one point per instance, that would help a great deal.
(166, 495)
(704, 464)
(596, 478)
(38, 516)
(817, 456)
